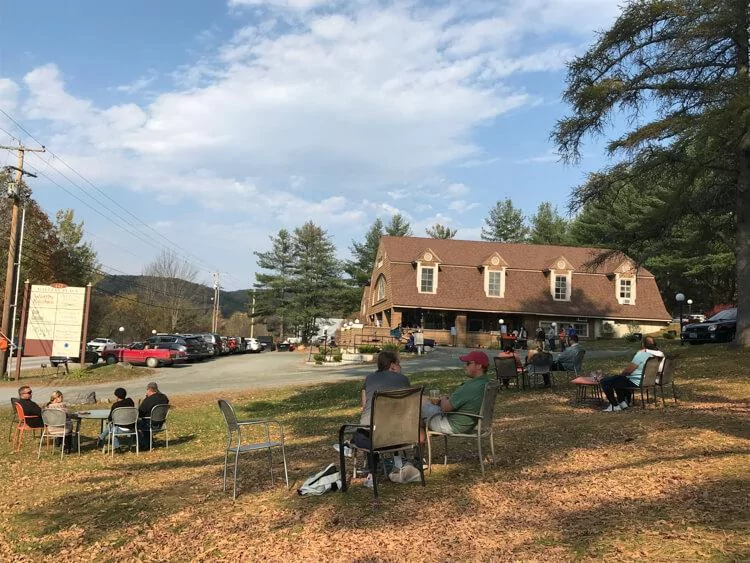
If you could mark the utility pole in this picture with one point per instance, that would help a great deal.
(215, 318)
(15, 192)
(252, 317)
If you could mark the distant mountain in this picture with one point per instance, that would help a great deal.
(230, 301)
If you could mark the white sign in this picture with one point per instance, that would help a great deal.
(56, 319)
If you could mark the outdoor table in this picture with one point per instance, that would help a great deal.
(97, 414)
(587, 388)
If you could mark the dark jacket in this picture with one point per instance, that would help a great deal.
(144, 410)
(30, 408)
(126, 402)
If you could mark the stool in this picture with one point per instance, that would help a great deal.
(587, 388)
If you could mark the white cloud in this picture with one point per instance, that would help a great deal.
(457, 189)
(289, 4)
(398, 194)
(8, 94)
(138, 85)
(462, 206)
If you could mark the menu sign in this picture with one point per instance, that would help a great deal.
(55, 321)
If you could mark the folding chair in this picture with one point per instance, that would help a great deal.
(648, 379)
(123, 424)
(234, 428)
(14, 417)
(666, 378)
(23, 426)
(394, 426)
(541, 365)
(482, 429)
(507, 370)
(156, 423)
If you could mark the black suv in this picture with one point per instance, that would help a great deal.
(174, 342)
(719, 328)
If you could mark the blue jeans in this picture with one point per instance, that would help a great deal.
(104, 436)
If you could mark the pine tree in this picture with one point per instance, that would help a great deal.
(548, 226)
(440, 231)
(359, 269)
(273, 300)
(398, 226)
(685, 62)
(505, 224)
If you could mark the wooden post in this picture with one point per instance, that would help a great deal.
(22, 329)
(84, 336)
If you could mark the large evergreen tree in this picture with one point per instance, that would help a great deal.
(505, 223)
(548, 226)
(398, 226)
(684, 62)
(359, 268)
(273, 301)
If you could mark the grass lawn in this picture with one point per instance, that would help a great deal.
(98, 373)
(569, 483)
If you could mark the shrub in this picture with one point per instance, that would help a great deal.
(337, 357)
(608, 331)
(391, 346)
(669, 335)
(368, 349)
(319, 358)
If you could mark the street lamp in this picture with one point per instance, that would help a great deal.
(325, 342)
(122, 333)
(680, 298)
(690, 306)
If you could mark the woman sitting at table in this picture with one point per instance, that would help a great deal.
(56, 402)
(122, 401)
(509, 352)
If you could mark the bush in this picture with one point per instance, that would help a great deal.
(608, 331)
(669, 334)
(337, 357)
(391, 346)
(368, 349)
(319, 358)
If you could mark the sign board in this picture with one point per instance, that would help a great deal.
(55, 321)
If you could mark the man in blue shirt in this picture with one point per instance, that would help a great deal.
(615, 387)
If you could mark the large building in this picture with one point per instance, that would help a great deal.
(458, 291)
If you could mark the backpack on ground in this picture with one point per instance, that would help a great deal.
(326, 480)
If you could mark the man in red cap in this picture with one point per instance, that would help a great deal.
(466, 399)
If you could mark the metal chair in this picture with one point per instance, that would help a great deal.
(541, 364)
(23, 426)
(648, 379)
(234, 428)
(55, 426)
(507, 370)
(483, 427)
(395, 421)
(577, 363)
(155, 423)
(666, 377)
(123, 424)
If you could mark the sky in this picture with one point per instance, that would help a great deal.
(205, 127)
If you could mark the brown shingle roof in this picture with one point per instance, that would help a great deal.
(461, 287)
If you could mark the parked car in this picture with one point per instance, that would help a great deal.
(266, 342)
(176, 342)
(137, 354)
(285, 347)
(719, 328)
(252, 345)
(100, 344)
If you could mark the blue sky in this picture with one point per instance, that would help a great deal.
(211, 125)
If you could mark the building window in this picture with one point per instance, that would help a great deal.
(427, 280)
(494, 283)
(380, 289)
(625, 286)
(561, 288)
(625, 290)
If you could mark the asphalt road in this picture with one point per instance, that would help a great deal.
(249, 371)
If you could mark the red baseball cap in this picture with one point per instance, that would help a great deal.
(477, 357)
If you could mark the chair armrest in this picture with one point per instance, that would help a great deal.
(472, 415)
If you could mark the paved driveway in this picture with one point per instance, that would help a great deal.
(251, 371)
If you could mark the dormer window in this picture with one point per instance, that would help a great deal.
(561, 276)
(494, 275)
(561, 288)
(427, 271)
(625, 286)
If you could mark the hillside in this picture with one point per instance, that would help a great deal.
(231, 301)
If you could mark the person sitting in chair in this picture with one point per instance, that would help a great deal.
(30, 408)
(509, 352)
(153, 398)
(567, 359)
(122, 401)
(616, 387)
(467, 398)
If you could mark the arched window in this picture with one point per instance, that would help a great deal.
(379, 290)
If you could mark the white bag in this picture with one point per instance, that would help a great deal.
(404, 471)
(327, 480)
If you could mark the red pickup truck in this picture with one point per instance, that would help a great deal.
(138, 354)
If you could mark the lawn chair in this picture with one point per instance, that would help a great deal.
(23, 426)
(236, 447)
(123, 424)
(155, 423)
(666, 377)
(541, 365)
(577, 363)
(395, 420)
(648, 379)
(482, 429)
(55, 426)
(507, 370)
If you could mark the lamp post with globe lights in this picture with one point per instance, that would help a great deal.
(690, 307)
(680, 298)
(122, 336)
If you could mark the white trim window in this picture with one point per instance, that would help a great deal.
(494, 283)
(625, 289)
(427, 279)
(561, 287)
(379, 289)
